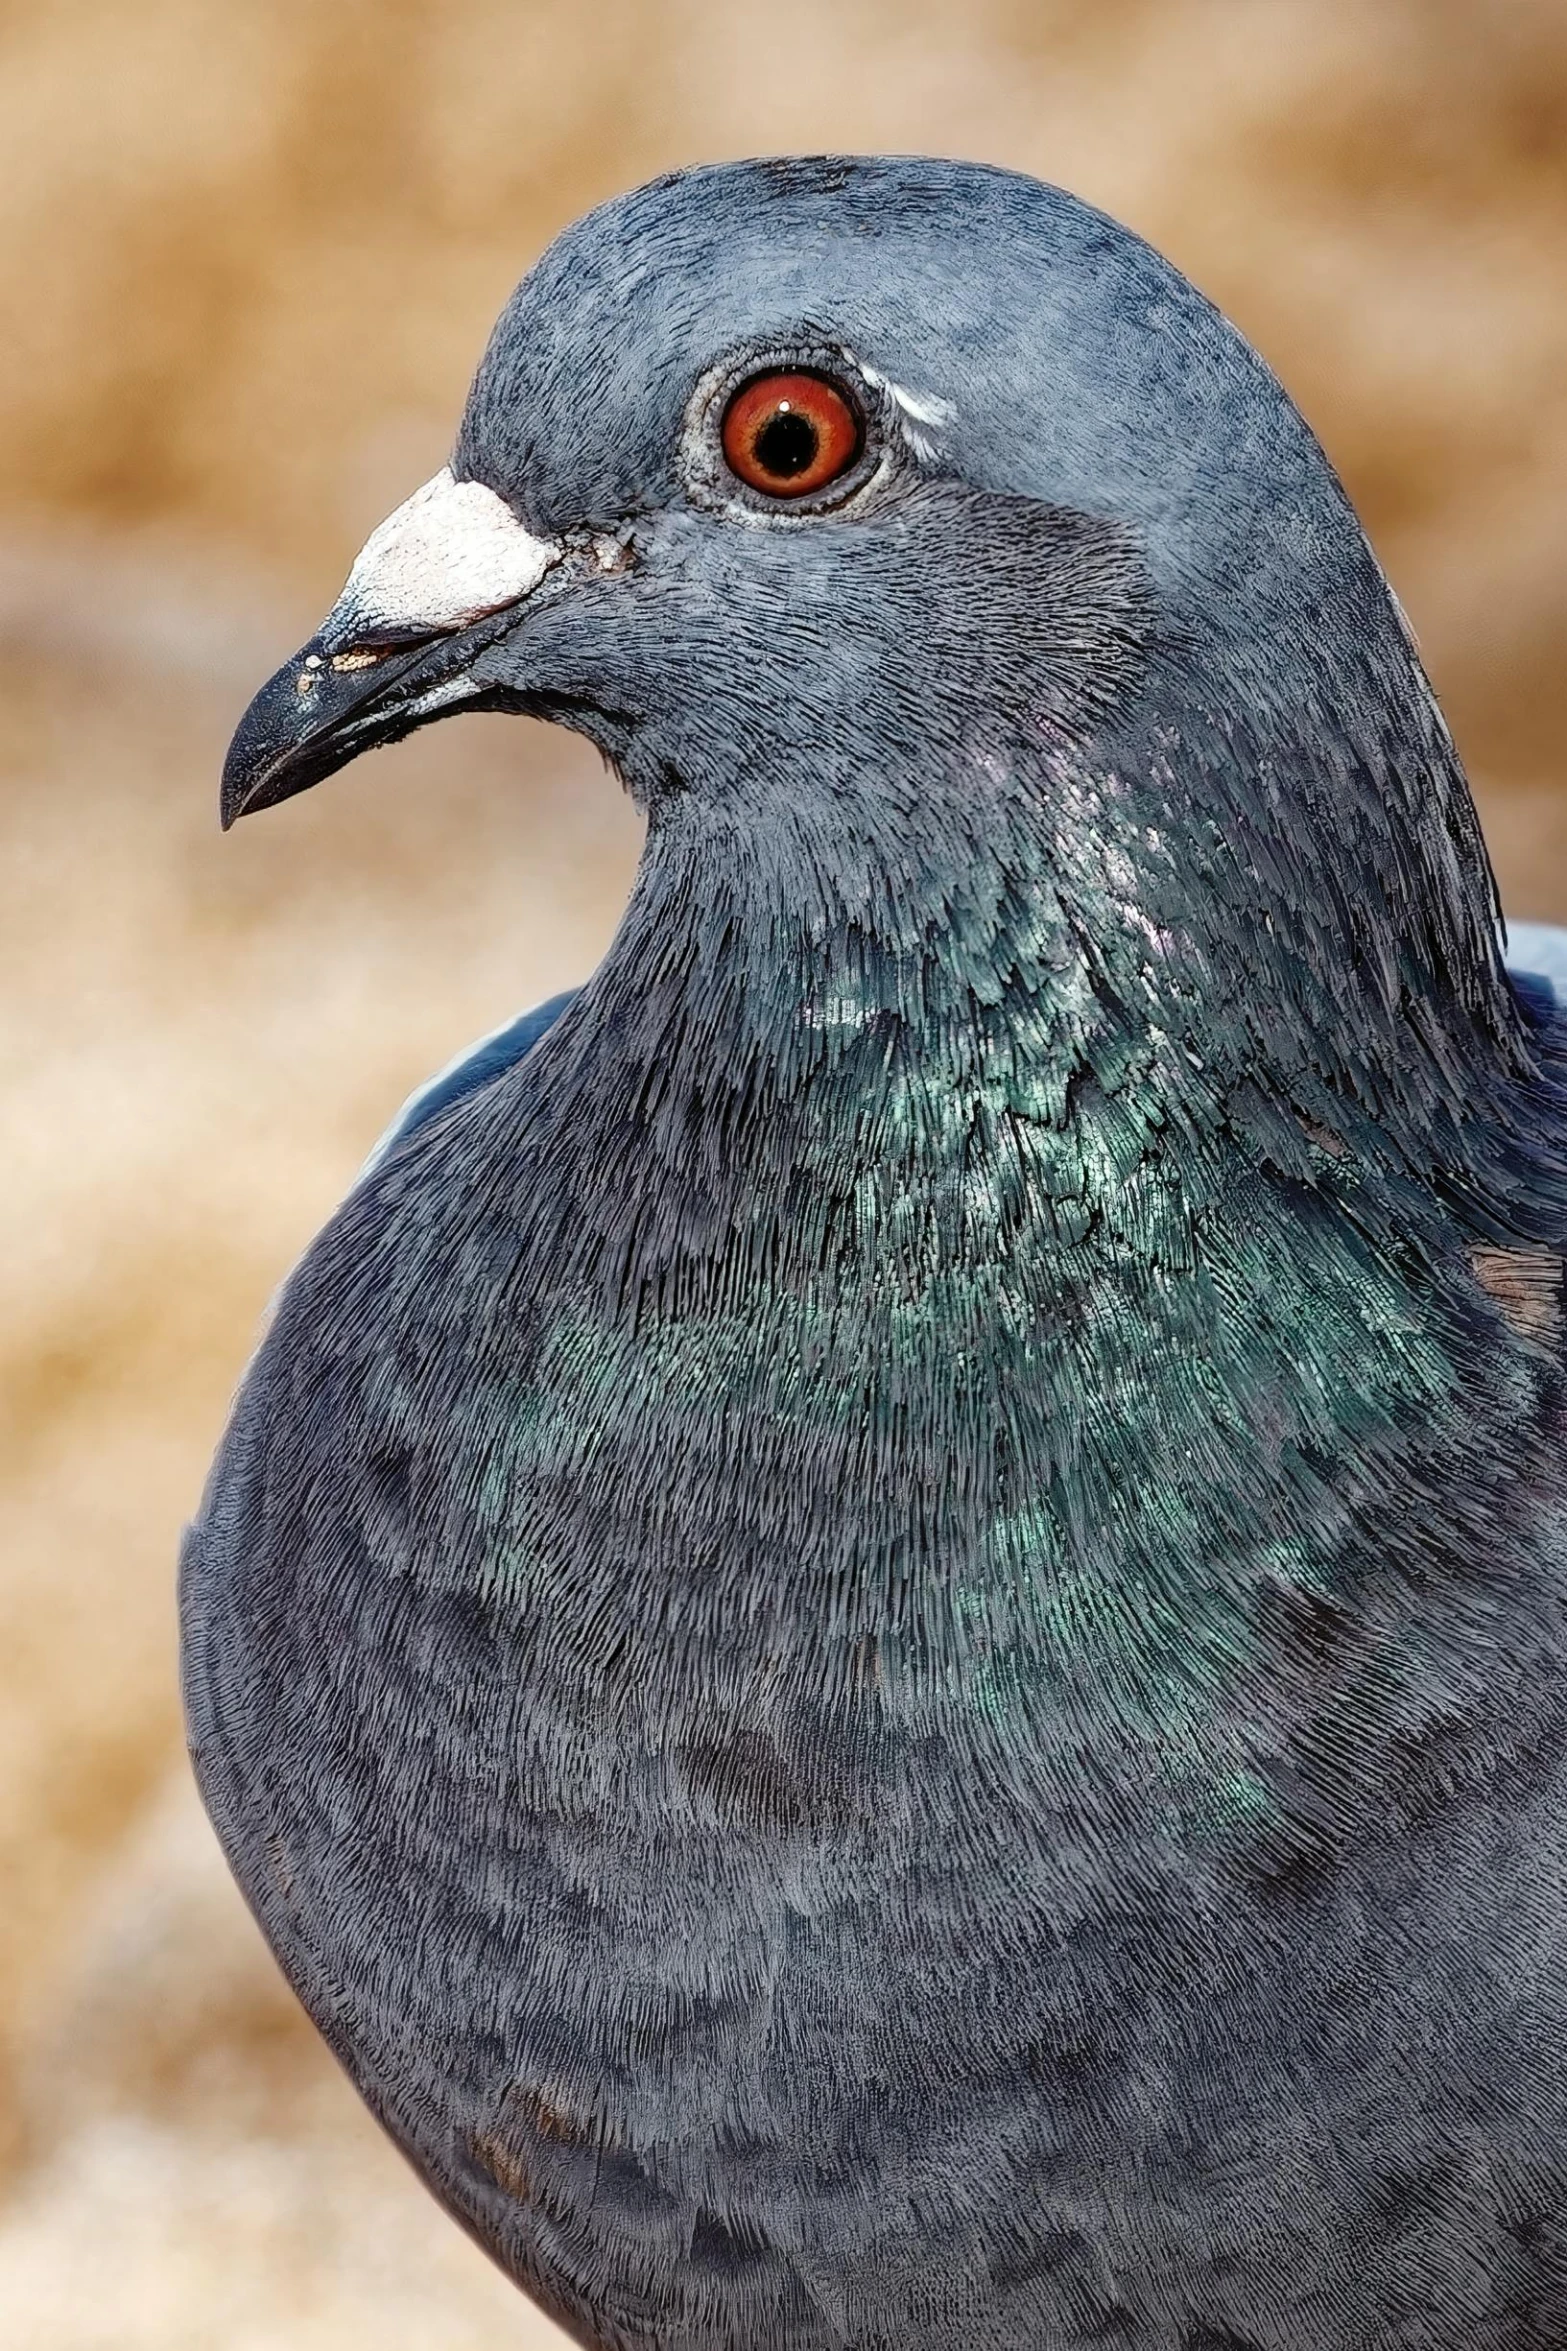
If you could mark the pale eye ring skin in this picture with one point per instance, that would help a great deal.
(791, 432)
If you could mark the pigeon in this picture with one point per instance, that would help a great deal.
(882, 1632)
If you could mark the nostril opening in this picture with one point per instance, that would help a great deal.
(377, 640)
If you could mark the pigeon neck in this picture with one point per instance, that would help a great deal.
(949, 1081)
(1047, 1379)
(1053, 1370)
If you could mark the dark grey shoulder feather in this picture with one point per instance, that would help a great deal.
(476, 1066)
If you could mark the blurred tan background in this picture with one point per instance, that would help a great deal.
(249, 253)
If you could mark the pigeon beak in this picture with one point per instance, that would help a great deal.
(394, 650)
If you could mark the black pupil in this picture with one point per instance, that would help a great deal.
(786, 444)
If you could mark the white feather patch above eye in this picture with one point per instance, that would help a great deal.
(924, 407)
(926, 410)
(449, 555)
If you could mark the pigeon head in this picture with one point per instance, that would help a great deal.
(953, 587)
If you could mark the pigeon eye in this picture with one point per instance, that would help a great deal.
(790, 434)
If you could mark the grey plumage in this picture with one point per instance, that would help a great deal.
(881, 1631)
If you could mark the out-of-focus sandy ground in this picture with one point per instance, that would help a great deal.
(249, 251)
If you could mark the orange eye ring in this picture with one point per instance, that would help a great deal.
(790, 432)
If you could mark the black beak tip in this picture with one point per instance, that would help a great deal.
(326, 706)
(288, 739)
(274, 726)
